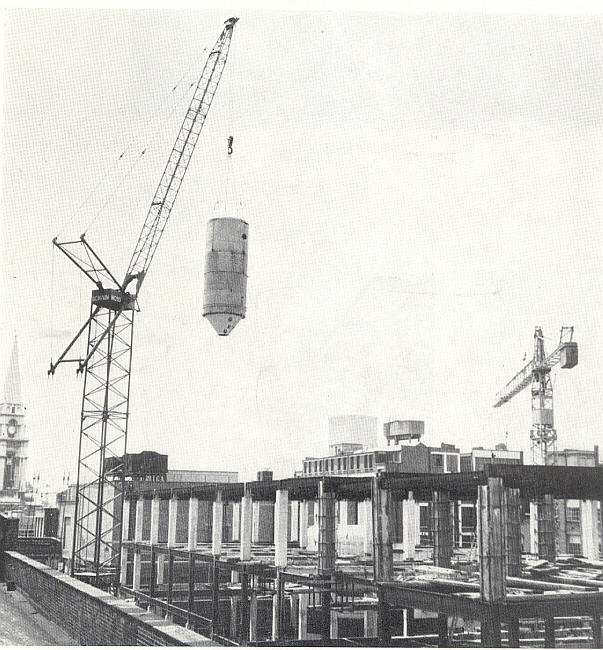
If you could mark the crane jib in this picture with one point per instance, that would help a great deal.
(178, 161)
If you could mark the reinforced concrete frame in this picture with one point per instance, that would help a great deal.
(225, 592)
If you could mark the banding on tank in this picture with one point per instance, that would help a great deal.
(225, 294)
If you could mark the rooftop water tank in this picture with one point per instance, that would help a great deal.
(225, 293)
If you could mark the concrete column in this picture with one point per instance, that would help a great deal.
(549, 632)
(596, 628)
(253, 617)
(533, 528)
(281, 520)
(193, 523)
(246, 526)
(442, 631)
(160, 569)
(125, 523)
(155, 520)
(410, 514)
(216, 533)
(172, 517)
(244, 635)
(490, 630)
(154, 539)
(302, 619)
(334, 629)
(326, 530)
(492, 542)
(383, 556)
(236, 522)
(234, 618)
(513, 531)
(384, 633)
(590, 534)
(442, 528)
(303, 525)
(256, 522)
(294, 529)
(513, 631)
(367, 524)
(546, 528)
(294, 609)
(125, 531)
(277, 608)
(138, 538)
(370, 623)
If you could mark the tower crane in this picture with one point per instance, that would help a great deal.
(538, 372)
(107, 364)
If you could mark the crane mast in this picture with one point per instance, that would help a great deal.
(537, 372)
(96, 551)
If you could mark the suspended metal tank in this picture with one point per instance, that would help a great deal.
(225, 295)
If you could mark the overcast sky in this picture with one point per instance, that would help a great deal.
(421, 191)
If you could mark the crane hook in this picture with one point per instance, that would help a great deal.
(230, 139)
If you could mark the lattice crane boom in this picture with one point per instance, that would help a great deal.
(96, 551)
(524, 377)
(177, 164)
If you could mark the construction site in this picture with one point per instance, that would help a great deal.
(378, 544)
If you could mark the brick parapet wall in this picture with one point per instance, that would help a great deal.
(9, 531)
(91, 616)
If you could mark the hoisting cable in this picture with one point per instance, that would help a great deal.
(228, 174)
(136, 160)
(52, 288)
(161, 119)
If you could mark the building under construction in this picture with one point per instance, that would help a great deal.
(282, 593)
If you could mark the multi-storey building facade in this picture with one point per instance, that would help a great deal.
(578, 523)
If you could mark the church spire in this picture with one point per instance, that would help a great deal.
(12, 385)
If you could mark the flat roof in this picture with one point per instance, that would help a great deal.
(533, 481)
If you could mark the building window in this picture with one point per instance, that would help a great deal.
(437, 462)
(9, 470)
(320, 466)
(468, 518)
(452, 463)
(345, 463)
(339, 464)
(352, 513)
(574, 548)
(332, 464)
(573, 514)
(425, 523)
(315, 466)
(370, 461)
(365, 462)
(310, 513)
